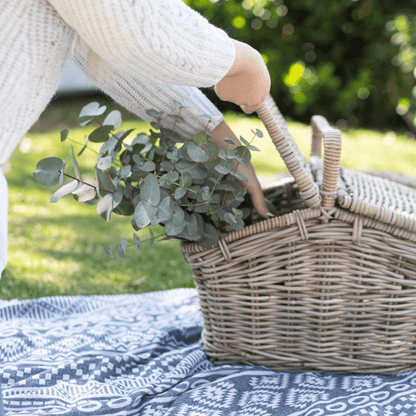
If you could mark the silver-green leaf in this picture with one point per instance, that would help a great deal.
(48, 171)
(64, 190)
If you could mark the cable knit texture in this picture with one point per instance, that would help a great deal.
(159, 41)
(34, 46)
(158, 51)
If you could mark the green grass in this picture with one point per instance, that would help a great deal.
(56, 249)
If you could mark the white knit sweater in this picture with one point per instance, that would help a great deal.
(158, 51)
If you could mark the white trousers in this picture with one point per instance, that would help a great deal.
(4, 202)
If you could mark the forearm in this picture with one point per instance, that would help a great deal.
(138, 96)
(162, 42)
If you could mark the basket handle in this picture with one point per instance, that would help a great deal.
(332, 154)
(270, 115)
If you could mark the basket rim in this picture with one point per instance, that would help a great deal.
(299, 217)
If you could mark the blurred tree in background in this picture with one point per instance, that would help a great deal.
(352, 61)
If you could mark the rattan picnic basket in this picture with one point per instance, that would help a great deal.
(327, 285)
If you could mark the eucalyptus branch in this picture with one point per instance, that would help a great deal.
(235, 170)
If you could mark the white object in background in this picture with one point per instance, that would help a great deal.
(4, 203)
(74, 81)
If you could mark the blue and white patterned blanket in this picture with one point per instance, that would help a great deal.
(142, 355)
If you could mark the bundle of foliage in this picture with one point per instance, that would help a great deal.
(188, 187)
(345, 53)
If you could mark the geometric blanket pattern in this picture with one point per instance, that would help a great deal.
(142, 355)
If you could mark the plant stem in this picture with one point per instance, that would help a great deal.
(86, 183)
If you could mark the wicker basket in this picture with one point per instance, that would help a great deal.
(329, 284)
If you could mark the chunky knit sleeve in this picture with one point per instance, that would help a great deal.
(160, 41)
(138, 96)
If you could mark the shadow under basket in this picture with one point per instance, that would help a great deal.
(321, 289)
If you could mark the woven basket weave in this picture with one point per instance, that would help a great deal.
(327, 285)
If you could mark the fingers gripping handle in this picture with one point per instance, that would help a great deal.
(332, 154)
(269, 115)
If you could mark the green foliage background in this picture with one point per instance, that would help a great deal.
(343, 59)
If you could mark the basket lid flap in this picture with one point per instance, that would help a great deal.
(379, 198)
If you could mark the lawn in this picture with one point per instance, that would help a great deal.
(56, 249)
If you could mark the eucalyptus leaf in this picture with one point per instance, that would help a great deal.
(104, 162)
(106, 206)
(149, 166)
(239, 176)
(92, 109)
(125, 171)
(61, 176)
(76, 167)
(202, 143)
(230, 140)
(125, 208)
(120, 250)
(197, 153)
(206, 193)
(178, 216)
(196, 172)
(105, 181)
(129, 148)
(177, 103)
(165, 211)
(205, 117)
(121, 135)
(141, 215)
(230, 218)
(186, 179)
(202, 208)
(64, 190)
(108, 251)
(87, 191)
(64, 135)
(173, 177)
(239, 225)
(258, 133)
(117, 197)
(244, 141)
(84, 121)
(208, 166)
(113, 119)
(48, 171)
(167, 166)
(137, 242)
(210, 236)
(179, 192)
(154, 113)
(83, 148)
(143, 139)
(124, 244)
(192, 225)
(173, 230)
(150, 190)
(224, 168)
(100, 134)
(152, 238)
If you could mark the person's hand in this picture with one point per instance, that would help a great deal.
(247, 83)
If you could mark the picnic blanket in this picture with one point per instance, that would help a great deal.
(142, 355)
